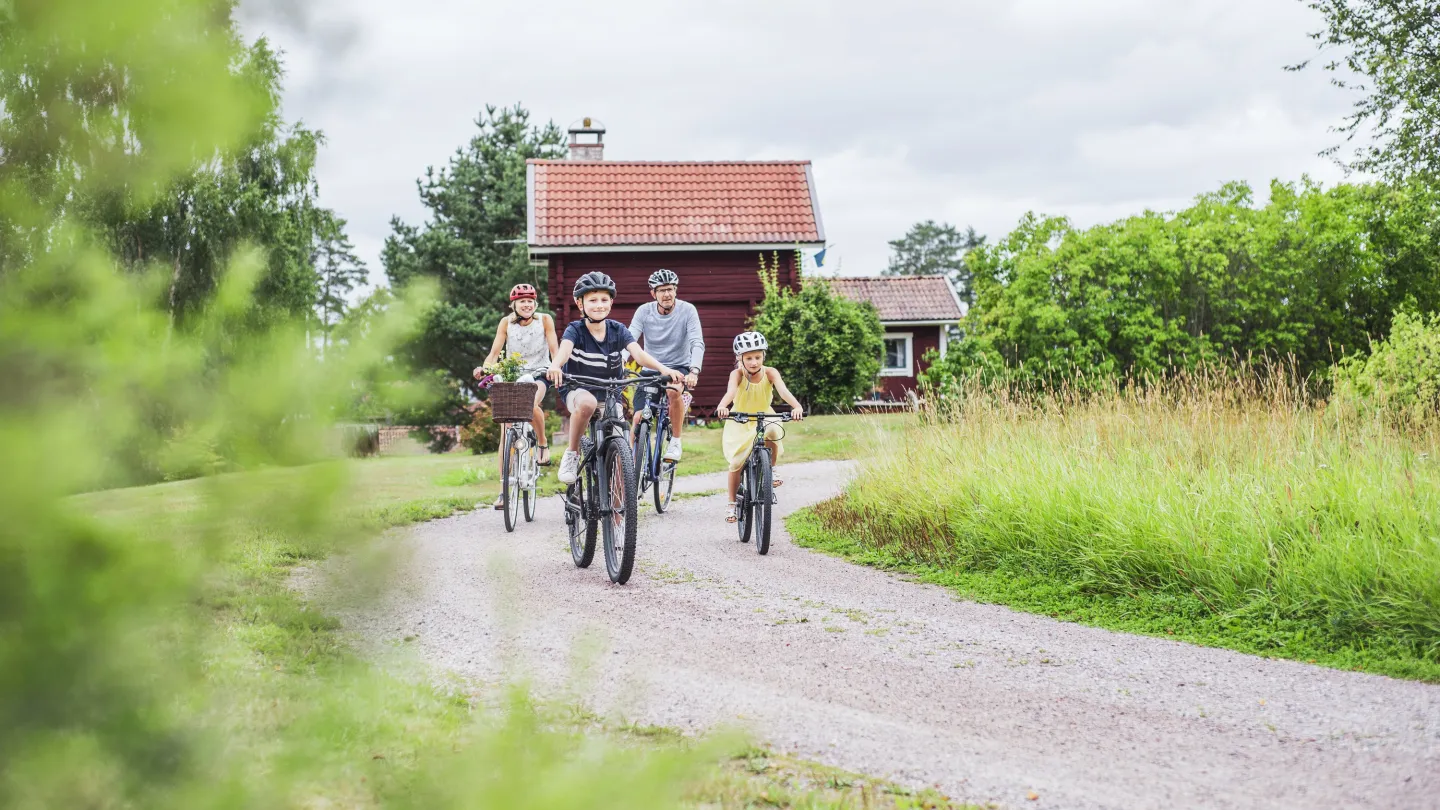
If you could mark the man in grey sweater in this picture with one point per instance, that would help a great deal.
(669, 329)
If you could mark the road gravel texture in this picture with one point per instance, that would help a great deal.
(867, 671)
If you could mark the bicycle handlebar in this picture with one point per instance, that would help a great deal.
(606, 382)
(742, 418)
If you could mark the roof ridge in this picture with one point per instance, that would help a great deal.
(564, 162)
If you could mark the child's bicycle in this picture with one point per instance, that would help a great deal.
(651, 437)
(604, 494)
(519, 473)
(757, 492)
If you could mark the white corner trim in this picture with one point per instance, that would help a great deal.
(530, 203)
(815, 203)
(934, 322)
(944, 342)
(909, 369)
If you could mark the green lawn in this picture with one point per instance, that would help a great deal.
(324, 727)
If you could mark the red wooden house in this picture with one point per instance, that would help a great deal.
(709, 222)
(916, 312)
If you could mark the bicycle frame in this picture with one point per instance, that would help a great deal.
(661, 419)
(607, 424)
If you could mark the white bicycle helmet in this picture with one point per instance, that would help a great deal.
(661, 277)
(750, 342)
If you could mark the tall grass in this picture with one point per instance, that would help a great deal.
(1235, 490)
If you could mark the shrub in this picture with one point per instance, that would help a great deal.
(1400, 381)
(827, 346)
(480, 435)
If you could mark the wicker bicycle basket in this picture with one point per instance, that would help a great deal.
(512, 402)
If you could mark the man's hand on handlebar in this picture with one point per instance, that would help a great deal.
(691, 380)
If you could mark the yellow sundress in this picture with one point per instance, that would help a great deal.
(751, 398)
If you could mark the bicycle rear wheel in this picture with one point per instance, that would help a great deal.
(622, 524)
(764, 494)
(530, 490)
(665, 483)
(509, 479)
(743, 497)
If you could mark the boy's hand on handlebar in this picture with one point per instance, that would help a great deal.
(672, 374)
(554, 375)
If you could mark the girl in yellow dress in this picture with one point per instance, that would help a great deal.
(752, 385)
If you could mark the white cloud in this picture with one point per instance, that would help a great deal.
(972, 112)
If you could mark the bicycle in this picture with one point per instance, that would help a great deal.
(519, 473)
(756, 492)
(655, 473)
(607, 467)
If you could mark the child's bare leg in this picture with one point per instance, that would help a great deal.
(735, 482)
(774, 454)
(585, 406)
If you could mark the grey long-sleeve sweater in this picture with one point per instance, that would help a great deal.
(673, 339)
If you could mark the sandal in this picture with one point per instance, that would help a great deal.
(730, 513)
(499, 505)
(542, 455)
(776, 483)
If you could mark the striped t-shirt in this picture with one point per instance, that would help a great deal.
(596, 358)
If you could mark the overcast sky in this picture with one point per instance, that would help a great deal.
(966, 112)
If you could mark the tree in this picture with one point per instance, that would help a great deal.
(928, 249)
(244, 178)
(827, 346)
(1395, 45)
(340, 270)
(474, 243)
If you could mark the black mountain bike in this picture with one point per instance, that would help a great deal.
(756, 493)
(652, 436)
(604, 494)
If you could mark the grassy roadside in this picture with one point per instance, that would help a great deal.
(1218, 517)
(294, 691)
(816, 438)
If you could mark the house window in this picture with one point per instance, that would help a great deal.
(897, 359)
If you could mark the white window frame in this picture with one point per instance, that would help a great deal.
(909, 369)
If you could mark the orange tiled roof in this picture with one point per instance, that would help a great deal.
(611, 203)
(903, 298)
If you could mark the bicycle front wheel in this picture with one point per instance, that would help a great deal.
(764, 495)
(509, 479)
(619, 528)
(643, 457)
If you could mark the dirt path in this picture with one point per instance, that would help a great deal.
(861, 669)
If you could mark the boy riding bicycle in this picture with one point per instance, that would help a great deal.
(591, 347)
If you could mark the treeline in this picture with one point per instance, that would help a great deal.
(1312, 277)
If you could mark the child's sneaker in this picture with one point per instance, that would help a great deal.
(672, 450)
(569, 467)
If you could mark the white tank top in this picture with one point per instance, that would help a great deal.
(530, 342)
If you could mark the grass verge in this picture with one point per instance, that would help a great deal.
(1220, 519)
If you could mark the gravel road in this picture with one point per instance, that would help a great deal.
(867, 671)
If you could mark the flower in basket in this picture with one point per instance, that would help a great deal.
(507, 369)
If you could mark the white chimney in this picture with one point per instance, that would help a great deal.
(587, 140)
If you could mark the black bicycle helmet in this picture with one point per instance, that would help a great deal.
(592, 281)
(661, 277)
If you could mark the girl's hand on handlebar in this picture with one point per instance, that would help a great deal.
(797, 413)
(554, 375)
(723, 412)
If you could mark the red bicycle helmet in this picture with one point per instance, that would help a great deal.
(523, 291)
